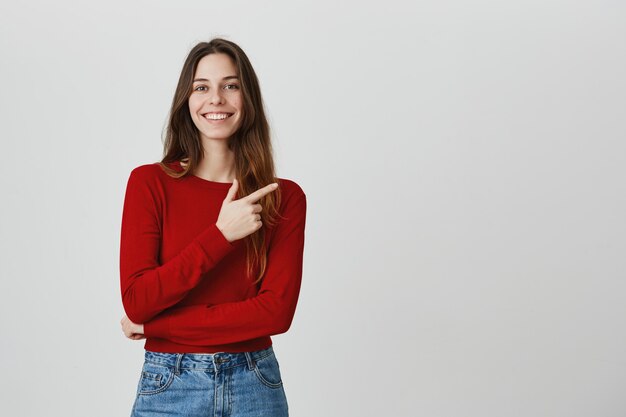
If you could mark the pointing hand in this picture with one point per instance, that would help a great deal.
(240, 218)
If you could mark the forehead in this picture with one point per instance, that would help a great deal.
(215, 67)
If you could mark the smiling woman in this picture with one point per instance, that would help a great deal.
(211, 249)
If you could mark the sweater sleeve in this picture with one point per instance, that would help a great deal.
(147, 287)
(270, 312)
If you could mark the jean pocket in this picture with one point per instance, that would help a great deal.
(267, 371)
(155, 378)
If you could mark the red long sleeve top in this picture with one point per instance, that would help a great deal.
(186, 283)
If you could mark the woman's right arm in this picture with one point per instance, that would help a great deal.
(147, 287)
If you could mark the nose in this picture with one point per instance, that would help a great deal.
(215, 96)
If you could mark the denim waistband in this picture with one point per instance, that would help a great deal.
(207, 361)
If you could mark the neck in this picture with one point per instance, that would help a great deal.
(217, 164)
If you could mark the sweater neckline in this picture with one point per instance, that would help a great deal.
(204, 182)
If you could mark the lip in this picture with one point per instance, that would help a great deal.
(217, 121)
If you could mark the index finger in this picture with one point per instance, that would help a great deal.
(253, 197)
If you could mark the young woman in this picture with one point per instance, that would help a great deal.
(211, 249)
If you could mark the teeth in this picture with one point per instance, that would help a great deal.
(216, 116)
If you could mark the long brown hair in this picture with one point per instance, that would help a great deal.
(254, 163)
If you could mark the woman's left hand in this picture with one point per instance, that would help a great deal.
(132, 330)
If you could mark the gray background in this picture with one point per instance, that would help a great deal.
(464, 164)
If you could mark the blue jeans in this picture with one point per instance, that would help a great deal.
(210, 384)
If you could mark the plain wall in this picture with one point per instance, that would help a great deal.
(464, 165)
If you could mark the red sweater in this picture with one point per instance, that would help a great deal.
(186, 283)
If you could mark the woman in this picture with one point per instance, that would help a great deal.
(211, 249)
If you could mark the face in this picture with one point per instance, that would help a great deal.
(215, 94)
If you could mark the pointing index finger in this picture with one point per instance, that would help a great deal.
(255, 196)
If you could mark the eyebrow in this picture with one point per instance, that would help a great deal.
(223, 79)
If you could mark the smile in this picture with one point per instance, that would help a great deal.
(217, 116)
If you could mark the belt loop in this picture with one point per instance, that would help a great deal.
(179, 358)
(251, 363)
(215, 367)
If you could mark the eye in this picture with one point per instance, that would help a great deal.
(200, 86)
(236, 87)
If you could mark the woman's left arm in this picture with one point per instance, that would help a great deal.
(270, 312)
